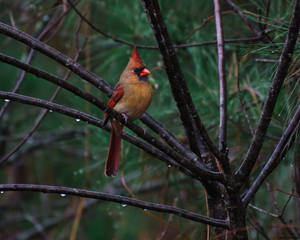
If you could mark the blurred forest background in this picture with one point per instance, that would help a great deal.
(67, 152)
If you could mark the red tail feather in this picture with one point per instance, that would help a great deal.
(112, 161)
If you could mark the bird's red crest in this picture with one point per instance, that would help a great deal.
(137, 62)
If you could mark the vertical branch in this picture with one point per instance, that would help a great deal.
(196, 133)
(223, 87)
(222, 77)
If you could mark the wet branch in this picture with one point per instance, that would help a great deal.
(115, 198)
(222, 84)
(195, 130)
(90, 120)
(48, 28)
(276, 157)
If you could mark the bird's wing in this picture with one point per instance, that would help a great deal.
(118, 94)
(115, 98)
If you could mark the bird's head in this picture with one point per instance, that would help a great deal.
(135, 70)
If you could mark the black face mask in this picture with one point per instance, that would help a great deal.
(138, 72)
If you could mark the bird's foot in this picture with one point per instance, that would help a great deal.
(125, 117)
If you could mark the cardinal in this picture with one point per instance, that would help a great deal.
(131, 98)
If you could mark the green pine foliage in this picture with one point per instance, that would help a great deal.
(64, 162)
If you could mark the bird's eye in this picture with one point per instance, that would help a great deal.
(138, 71)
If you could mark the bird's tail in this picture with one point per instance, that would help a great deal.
(112, 161)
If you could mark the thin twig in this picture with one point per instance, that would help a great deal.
(115, 198)
(257, 226)
(263, 211)
(40, 117)
(44, 142)
(275, 158)
(285, 59)
(280, 213)
(124, 42)
(265, 60)
(240, 97)
(252, 26)
(44, 32)
(222, 83)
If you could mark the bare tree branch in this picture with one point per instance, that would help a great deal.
(264, 60)
(115, 198)
(252, 26)
(56, 55)
(275, 158)
(45, 111)
(44, 32)
(222, 84)
(285, 59)
(91, 120)
(195, 130)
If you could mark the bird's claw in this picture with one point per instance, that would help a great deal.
(125, 117)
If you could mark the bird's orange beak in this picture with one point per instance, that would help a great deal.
(145, 72)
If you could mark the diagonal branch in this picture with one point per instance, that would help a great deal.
(252, 26)
(276, 156)
(164, 150)
(195, 130)
(285, 59)
(45, 111)
(115, 198)
(55, 55)
(49, 27)
(94, 121)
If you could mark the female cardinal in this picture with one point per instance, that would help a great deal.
(132, 96)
